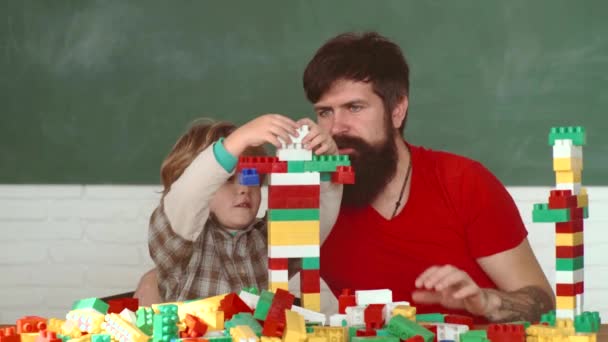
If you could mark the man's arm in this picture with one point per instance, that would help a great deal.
(525, 293)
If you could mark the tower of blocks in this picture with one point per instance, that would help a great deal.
(295, 176)
(567, 208)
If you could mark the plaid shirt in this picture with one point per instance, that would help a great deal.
(215, 263)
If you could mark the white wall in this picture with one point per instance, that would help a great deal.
(62, 243)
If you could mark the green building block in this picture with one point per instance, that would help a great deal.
(145, 320)
(569, 264)
(585, 212)
(294, 166)
(253, 290)
(261, 310)
(219, 338)
(64, 338)
(474, 336)
(403, 328)
(383, 332)
(574, 133)
(293, 215)
(431, 317)
(244, 318)
(548, 318)
(352, 331)
(326, 163)
(311, 263)
(165, 323)
(526, 324)
(101, 338)
(587, 322)
(91, 303)
(325, 176)
(542, 213)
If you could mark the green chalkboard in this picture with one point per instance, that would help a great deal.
(98, 91)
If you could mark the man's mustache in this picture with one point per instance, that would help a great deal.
(344, 141)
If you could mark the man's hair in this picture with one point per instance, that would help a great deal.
(200, 135)
(365, 57)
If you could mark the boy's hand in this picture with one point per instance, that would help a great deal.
(317, 140)
(264, 129)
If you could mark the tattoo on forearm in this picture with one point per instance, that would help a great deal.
(525, 304)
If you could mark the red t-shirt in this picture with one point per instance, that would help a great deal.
(457, 211)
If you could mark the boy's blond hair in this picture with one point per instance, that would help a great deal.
(200, 135)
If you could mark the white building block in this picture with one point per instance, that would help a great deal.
(302, 133)
(303, 251)
(563, 148)
(580, 303)
(278, 276)
(338, 320)
(355, 315)
(365, 297)
(389, 307)
(128, 316)
(303, 178)
(449, 331)
(250, 299)
(574, 187)
(294, 152)
(565, 314)
(309, 315)
(569, 277)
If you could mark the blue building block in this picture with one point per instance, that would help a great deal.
(249, 177)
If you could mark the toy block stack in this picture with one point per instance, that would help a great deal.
(293, 210)
(567, 207)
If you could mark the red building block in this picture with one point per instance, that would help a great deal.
(232, 304)
(569, 251)
(119, 304)
(47, 336)
(9, 335)
(30, 324)
(343, 175)
(365, 332)
(506, 333)
(195, 327)
(576, 213)
(460, 319)
(374, 316)
(346, 299)
(275, 320)
(263, 165)
(293, 196)
(310, 281)
(278, 264)
(570, 289)
(293, 202)
(416, 338)
(572, 226)
(560, 199)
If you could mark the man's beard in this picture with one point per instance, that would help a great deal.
(374, 168)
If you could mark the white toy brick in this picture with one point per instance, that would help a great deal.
(338, 320)
(565, 314)
(278, 276)
(564, 148)
(389, 307)
(574, 187)
(294, 152)
(450, 331)
(569, 277)
(303, 251)
(309, 315)
(303, 178)
(355, 315)
(365, 297)
(302, 133)
(250, 299)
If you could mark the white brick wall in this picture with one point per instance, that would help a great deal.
(62, 243)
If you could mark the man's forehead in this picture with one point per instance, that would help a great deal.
(345, 91)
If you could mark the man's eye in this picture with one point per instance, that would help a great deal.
(355, 108)
(324, 113)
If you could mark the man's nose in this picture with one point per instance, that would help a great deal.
(339, 125)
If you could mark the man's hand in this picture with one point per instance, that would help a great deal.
(451, 288)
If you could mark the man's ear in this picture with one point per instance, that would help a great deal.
(399, 112)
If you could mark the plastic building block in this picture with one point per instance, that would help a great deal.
(337, 320)
(459, 319)
(569, 251)
(355, 315)
(430, 317)
(574, 133)
(86, 320)
(506, 333)
(561, 199)
(311, 301)
(293, 233)
(306, 178)
(295, 329)
(91, 303)
(261, 310)
(195, 327)
(310, 281)
(542, 213)
(121, 330)
(474, 336)
(568, 177)
(249, 177)
(165, 323)
(326, 163)
(30, 324)
(310, 316)
(574, 187)
(569, 264)
(548, 318)
(293, 251)
(573, 226)
(311, 263)
(449, 331)
(47, 336)
(586, 212)
(243, 333)
(145, 320)
(346, 299)
(293, 202)
(343, 175)
(374, 317)
(567, 164)
(569, 277)
(565, 302)
(364, 333)
(119, 304)
(333, 334)
(263, 164)
(232, 304)
(406, 311)
(101, 338)
(294, 166)
(54, 324)
(416, 338)
(278, 276)
(366, 297)
(9, 335)
(294, 152)
(278, 263)
(293, 191)
(587, 322)
(568, 239)
(404, 329)
(293, 215)
(244, 319)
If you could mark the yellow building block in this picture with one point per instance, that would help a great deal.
(213, 319)
(118, 328)
(406, 311)
(567, 164)
(279, 285)
(295, 329)
(311, 301)
(85, 338)
(582, 198)
(333, 334)
(198, 305)
(582, 337)
(29, 337)
(285, 233)
(565, 326)
(568, 239)
(313, 338)
(242, 333)
(54, 325)
(567, 177)
(269, 339)
(565, 302)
